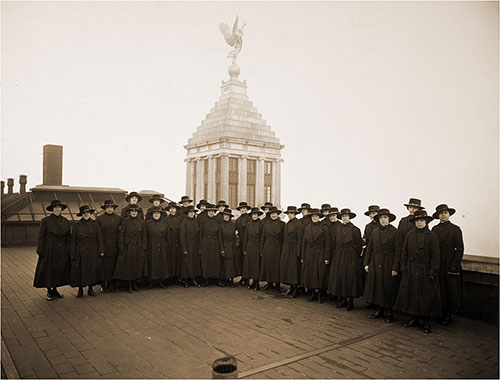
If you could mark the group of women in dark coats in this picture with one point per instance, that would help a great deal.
(410, 268)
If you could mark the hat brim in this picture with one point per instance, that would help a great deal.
(427, 218)
(351, 214)
(257, 212)
(157, 199)
(186, 200)
(291, 212)
(450, 210)
(304, 208)
(90, 210)
(51, 207)
(367, 213)
(104, 207)
(275, 211)
(392, 217)
(127, 198)
(414, 205)
(240, 207)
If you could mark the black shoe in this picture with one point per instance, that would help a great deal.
(412, 322)
(185, 284)
(231, 284)
(103, 289)
(446, 320)
(111, 287)
(341, 303)
(150, 285)
(91, 292)
(294, 294)
(243, 282)
(350, 305)
(196, 283)
(320, 298)
(221, 284)
(56, 294)
(162, 285)
(134, 287)
(250, 286)
(267, 286)
(49, 296)
(312, 298)
(80, 293)
(379, 313)
(257, 286)
(427, 327)
(389, 318)
(205, 284)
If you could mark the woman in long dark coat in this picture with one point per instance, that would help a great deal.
(451, 252)
(405, 225)
(173, 221)
(109, 223)
(347, 272)
(290, 253)
(315, 250)
(190, 243)
(131, 263)
(382, 258)
(228, 235)
(241, 223)
(156, 254)
(333, 226)
(156, 200)
(270, 249)
(419, 289)
(251, 248)
(133, 198)
(87, 248)
(210, 246)
(54, 264)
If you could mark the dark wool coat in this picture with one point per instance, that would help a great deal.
(332, 230)
(239, 257)
(251, 245)
(405, 226)
(270, 248)
(174, 250)
(210, 247)
(347, 271)
(125, 213)
(54, 264)
(86, 247)
(419, 293)
(190, 248)
(383, 256)
(366, 240)
(131, 263)
(290, 253)
(110, 230)
(451, 252)
(156, 254)
(228, 229)
(305, 220)
(315, 250)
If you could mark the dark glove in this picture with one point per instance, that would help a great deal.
(453, 271)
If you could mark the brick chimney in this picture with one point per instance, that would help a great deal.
(3, 187)
(10, 185)
(52, 164)
(23, 179)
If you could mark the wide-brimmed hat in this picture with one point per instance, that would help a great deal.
(202, 202)
(415, 203)
(326, 207)
(189, 208)
(54, 203)
(304, 206)
(384, 211)
(243, 204)
(228, 211)
(173, 204)
(185, 198)
(85, 208)
(420, 214)
(156, 197)
(157, 209)
(372, 208)
(333, 211)
(108, 203)
(256, 210)
(267, 205)
(134, 207)
(273, 209)
(211, 207)
(221, 203)
(315, 211)
(443, 207)
(292, 210)
(347, 211)
(133, 194)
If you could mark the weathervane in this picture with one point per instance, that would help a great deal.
(233, 38)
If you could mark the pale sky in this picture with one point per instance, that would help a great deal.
(374, 102)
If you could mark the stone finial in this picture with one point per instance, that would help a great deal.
(10, 185)
(23, 180)
(234, 70)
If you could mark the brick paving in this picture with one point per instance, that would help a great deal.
(178, 333)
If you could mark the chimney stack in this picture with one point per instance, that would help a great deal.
(3, 187)
(10, 185)
(23, 179)
(52, 164)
